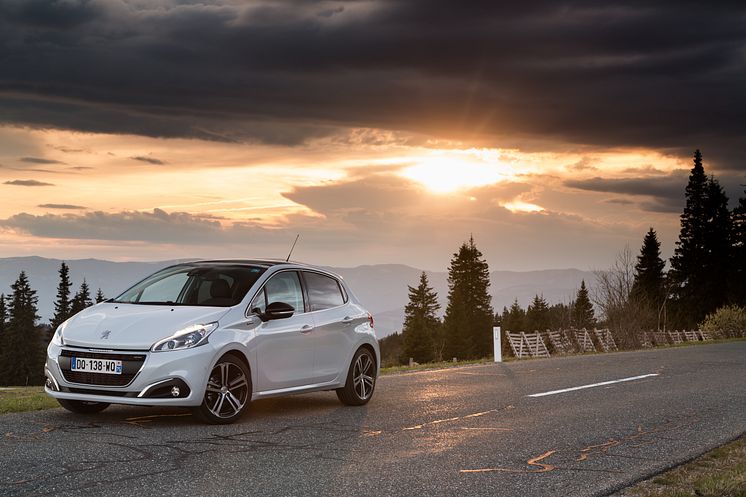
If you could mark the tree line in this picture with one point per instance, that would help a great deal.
(707, 273)
(465, 330)
(23, 340)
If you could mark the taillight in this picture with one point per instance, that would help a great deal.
(370, 319)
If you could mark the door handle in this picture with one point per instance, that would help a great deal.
(347, 320)
(306, 328)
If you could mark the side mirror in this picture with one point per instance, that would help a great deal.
(278, 310)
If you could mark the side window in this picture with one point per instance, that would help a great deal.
(283, 287)
(323, 292)
(260, 303)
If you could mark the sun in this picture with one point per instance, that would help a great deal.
(450, 173)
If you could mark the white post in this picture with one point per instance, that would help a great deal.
(497, 344)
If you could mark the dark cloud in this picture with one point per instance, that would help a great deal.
(159, 226)
(148, 160)
(62, 206)
(156, 226)
(39, 160)
(29, 169)
(667, 75)
(619, 201)
(68, 150)
(27, 182)
(373, 193)
(584, 164)
(665, 192)
(658, 186)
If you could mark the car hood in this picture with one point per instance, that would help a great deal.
(133, 326)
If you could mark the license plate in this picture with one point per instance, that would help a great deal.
(88, 365)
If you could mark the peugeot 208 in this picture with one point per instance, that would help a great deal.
(214, 335)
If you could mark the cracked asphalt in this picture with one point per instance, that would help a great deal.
(457, 432)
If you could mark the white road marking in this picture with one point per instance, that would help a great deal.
(572, 389)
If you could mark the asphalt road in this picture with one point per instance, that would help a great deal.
(458, 432)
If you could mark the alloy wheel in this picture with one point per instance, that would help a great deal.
(227, 390)
(363, 376)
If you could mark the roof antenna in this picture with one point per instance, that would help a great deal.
(293, 247)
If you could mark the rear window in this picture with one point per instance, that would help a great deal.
(324, 292)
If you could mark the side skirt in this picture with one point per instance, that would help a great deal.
(317, 387)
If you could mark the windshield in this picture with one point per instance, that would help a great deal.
(198, 285)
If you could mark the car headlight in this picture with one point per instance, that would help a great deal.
(189, 337)
(57, 337)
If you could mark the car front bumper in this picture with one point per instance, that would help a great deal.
(160, 370)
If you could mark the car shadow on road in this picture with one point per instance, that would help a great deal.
(306, 405)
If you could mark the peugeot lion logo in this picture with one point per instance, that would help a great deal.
(105, 335)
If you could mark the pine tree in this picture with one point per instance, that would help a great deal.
(736, 285)
(82, 299)
(421, 322)
(649, 283)
(468, 316)
(21, 354)
(4, 348)
(62, 305)
(560, 316)
(3, 317)
(690, 256)
(100, 296)
(582, 309)
(513, 319)
(718, 247)
(537, 315)
(392, 350)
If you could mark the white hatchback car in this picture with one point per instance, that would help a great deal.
(214, 335)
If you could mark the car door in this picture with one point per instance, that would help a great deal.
(284, 351)
(333, 325)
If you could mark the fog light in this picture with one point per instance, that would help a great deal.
(50, 382)
(175, 391)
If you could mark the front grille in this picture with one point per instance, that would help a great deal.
(131, 364)
(111, 393)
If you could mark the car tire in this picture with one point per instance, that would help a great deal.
(228, 391)
(361, 379)
(83, 407)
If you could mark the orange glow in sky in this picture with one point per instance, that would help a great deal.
(104, 196)
(447, 172)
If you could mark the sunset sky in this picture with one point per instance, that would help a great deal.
(381, 131)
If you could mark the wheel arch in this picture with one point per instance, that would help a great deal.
(372, 351)
(241, 357)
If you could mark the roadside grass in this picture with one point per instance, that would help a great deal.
(719, 473)
(694, 344)
(489, 360)
(21, 399)
(438, 365)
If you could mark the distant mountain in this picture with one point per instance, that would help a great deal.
(382, 288)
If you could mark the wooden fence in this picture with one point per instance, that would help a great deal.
(606, 339)
(585, 342)
(527, 345)
(559, 342)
